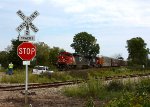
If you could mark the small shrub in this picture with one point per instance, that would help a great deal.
(115, 86)
(130, 100)
(94, 86)
(144, 86)
(90, 102)
(129, 86)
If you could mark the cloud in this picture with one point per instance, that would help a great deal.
(38, 2)
(116, 12)
(1, 7)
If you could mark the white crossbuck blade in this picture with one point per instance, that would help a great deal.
(27, 21)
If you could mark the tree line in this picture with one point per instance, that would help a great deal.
(83, 44)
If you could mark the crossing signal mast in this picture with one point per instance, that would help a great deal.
(26, 51)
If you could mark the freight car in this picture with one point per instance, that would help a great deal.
(68, 60)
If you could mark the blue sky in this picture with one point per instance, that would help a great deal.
(112, 22)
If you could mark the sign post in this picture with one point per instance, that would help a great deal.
(26, 51)
(26, 83)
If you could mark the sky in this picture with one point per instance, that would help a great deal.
(111, 22)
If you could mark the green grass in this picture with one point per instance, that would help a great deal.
(2, 69)
(93, 88)
(19, 75)
(114, 72)
(138, 97)
(116, 92)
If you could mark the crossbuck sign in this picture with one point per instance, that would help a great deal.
(27, 21)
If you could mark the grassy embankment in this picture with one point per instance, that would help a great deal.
(19, 75)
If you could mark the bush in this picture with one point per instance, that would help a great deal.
(115, 86)
(131, 100)
(144, 86)
(90, 102)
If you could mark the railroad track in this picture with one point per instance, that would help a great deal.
(34, 86)
(57, 84)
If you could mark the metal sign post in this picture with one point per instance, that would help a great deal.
(27, 22)
(26, 63)
(26, 87)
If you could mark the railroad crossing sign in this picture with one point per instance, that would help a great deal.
(27, 36)
(27, 21)
(26, 51)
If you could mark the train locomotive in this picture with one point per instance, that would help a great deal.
(68, 60)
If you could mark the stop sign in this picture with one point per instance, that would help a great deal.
(26, 51)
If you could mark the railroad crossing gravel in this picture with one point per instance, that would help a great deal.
(48, 97)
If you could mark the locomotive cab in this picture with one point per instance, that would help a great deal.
(65, 60)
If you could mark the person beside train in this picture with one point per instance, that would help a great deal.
(10, 68)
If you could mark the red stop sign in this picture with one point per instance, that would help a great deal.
(26, 51)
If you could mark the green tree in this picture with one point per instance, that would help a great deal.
(4, 58)
(85, 44)
(13, 57)
(138, 53)
(42, 54)
(53, 54)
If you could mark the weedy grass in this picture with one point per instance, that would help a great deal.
(61, 76)
(2, 69)
(116, 92)
(90, 102)
(130, 99)
(83, 89)
(121, 71)
(143, 86)
(80, 74)
(19, 77)
(94, 88)
(139, 97)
